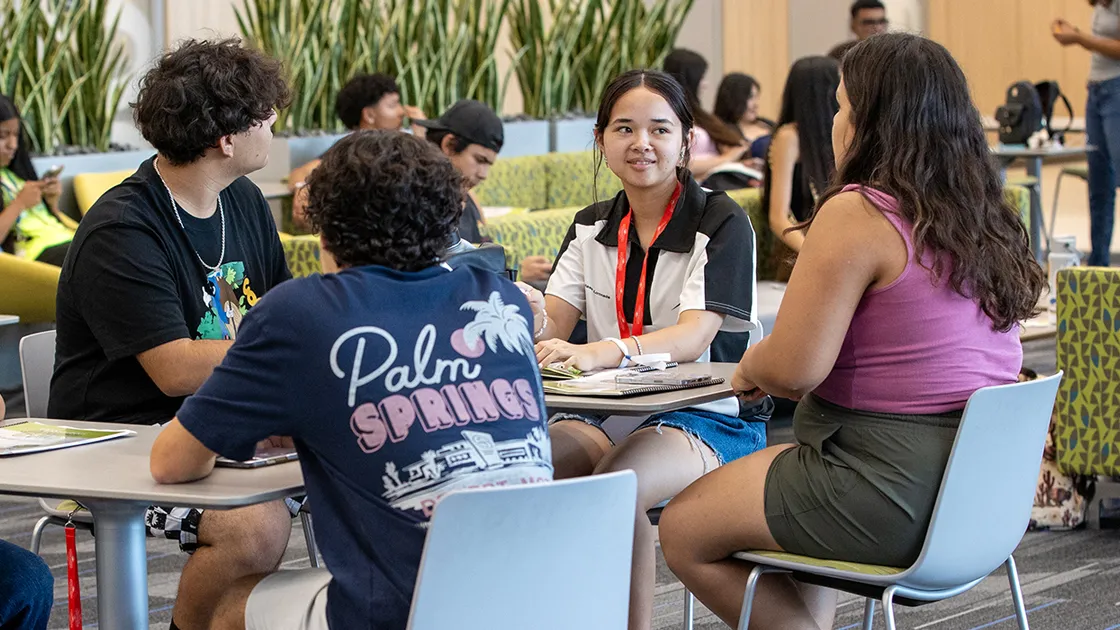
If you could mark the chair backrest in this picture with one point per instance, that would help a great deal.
(487, 256)
(36, 360)
(88, 187)
(984, 504)
(524, 557)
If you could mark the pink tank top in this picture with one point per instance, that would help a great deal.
(915, 347)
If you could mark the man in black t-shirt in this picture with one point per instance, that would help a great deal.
(159, 275)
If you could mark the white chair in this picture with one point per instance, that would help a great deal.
(36, 361)
(974, 527)
(549, 556)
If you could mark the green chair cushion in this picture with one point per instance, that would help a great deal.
(302, 254)
(839, 565)
(538, 233)
(572, 180)
(520, 182)
(1087, 411)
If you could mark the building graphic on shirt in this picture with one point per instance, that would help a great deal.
(228, 297)
(472, 461)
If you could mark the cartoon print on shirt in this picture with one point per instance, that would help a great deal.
(227, 297)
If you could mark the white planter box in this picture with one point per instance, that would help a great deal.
(573, 134)
(528, 137)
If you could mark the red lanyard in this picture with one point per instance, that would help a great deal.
(624, 328)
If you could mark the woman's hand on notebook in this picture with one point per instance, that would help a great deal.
(585, 357)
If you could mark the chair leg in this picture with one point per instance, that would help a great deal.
(37, 534)
(888, 607)
(1049, 231)
(1016, 593)
(868, 614)
(689, 609)
(748, 596)
(309, 538)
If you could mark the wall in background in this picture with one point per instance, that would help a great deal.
(998, 42)
(756, 38)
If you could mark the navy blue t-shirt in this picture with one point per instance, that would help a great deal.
(397, 388)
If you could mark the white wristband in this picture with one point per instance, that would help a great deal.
(622, 348)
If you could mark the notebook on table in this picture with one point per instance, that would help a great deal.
(631, 382)
(558, 372)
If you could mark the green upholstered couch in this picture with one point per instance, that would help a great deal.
(554, 187)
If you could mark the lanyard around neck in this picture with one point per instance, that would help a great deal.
(626, 329)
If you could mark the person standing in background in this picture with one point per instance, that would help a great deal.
(1102, 118)
(869, 17)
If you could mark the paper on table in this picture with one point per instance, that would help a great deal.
(33, 437)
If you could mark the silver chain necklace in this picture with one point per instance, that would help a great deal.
(175, 210)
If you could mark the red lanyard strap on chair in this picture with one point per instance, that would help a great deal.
(625, 329)
(74, 591)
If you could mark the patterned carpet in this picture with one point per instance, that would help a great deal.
(1069, 578)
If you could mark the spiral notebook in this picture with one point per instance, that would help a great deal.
(621, 383)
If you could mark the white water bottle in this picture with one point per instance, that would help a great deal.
(1063, 254)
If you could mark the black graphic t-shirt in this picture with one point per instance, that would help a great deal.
(133, 281)
(398, 403)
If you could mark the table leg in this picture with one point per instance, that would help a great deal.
(1034, 169)
(122, 564)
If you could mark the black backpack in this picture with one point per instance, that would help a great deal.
(1021, 116)
(1049, 93)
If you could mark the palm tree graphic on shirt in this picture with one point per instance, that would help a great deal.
(497, 322)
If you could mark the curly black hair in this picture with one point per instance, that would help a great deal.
(385, 198)
(204, 90)
(361, 92)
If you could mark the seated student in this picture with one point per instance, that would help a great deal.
(686, 268)
(716, 143)
(737, 106)
(471, 135)
(885, 331)
(868, 17)
(800, 163)
(26, 585)
(162, 271)
(31, 225)
(367, 101)
(401, 401)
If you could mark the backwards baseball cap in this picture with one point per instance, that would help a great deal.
(472, 121)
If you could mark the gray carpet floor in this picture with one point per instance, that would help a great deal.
(1071, 580)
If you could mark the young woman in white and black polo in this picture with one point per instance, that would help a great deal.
(661, 268)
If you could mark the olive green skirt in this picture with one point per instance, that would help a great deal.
(860, 486)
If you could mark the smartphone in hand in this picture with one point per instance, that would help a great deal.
(53, 172)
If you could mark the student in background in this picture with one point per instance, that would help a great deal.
(800, 163)
(367, 101)
(890, 262)
(1102, 119)
(683, 253)
(737, 102)
(716, 143)
(869, 17)
(31, 225)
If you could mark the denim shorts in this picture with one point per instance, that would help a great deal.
(729, 437)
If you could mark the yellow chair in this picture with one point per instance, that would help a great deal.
(88, 187)
(29, 289)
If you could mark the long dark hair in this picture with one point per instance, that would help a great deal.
(21, 162)
(809, 101)
(657, 82)
(731, 98)
(918, 137)
(688, 68)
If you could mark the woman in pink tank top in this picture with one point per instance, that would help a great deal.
(905, 300)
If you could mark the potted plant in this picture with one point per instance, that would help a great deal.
(568, 56)
(62, 65)
(438, 50)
